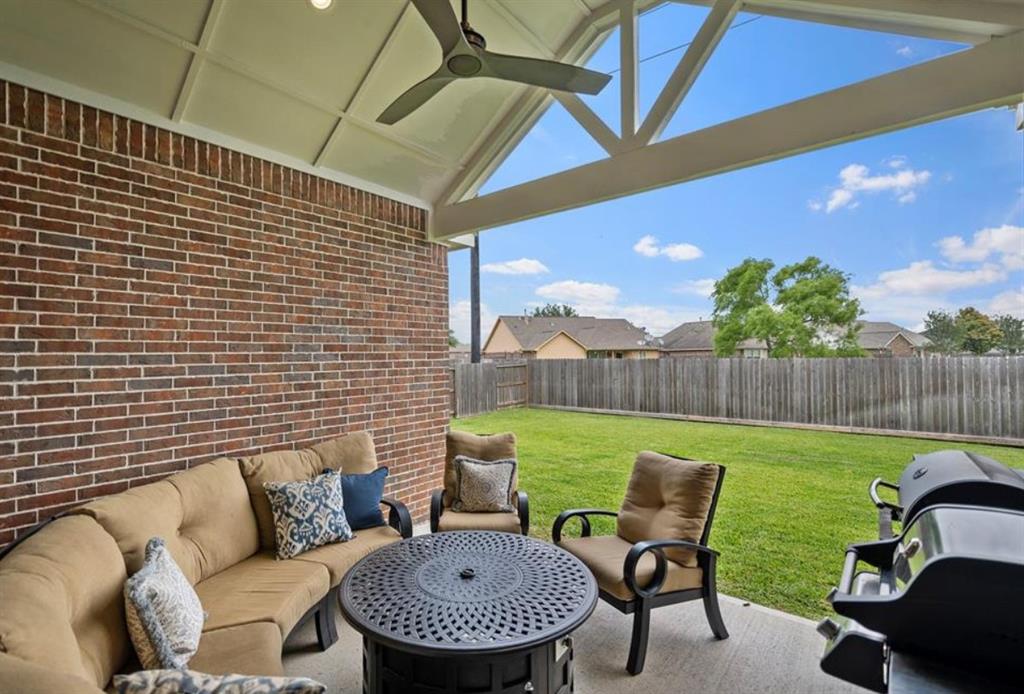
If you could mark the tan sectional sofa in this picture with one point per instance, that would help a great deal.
(62, 624)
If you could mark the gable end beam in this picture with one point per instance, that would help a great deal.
(985, 76)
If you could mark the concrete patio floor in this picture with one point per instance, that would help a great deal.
(768, 651)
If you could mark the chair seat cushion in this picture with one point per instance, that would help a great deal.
(604, 555)
(262, 589)
(456, 520)
(247, 649)
(339, 558)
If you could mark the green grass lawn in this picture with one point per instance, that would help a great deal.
(791, 501)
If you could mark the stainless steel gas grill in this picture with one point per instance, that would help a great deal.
(942, 603)
(949, 477)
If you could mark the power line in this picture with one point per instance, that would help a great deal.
(684, 45)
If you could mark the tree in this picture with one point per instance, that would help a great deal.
(554, 311)
(979, 333)
(1013, 334)
(452, 340)
(944, 332)
(804, 309)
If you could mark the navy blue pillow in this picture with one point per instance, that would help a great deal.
(362, 495)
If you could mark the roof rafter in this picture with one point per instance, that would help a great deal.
(590, 121)
(196, 61)
(985, 76)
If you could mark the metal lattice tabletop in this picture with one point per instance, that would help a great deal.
(468, 592)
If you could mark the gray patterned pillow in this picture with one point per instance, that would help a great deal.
(308, 513)
(189, 682)
(163, 613)
(483, 485)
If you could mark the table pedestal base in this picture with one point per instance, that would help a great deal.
(544, 669)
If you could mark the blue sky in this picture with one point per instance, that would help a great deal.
(931, 217)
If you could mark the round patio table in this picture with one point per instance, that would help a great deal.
(468, 612)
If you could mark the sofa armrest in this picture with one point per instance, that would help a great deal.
(398, 516)
(17, 675)
(436, 508)
(523, 510)
(581, 513)
(708, 558)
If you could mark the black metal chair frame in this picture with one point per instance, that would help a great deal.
(522, 503)
(648, 597)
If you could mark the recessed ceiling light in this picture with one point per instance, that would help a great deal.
(321, 4)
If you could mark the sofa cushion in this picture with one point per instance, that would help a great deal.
(262, 589)
(604, 555)
(454, 520)
(339, 558)
(248, 649)
(493, 447)
(23, 677)
(164, 616)
(667, 499)
(308, 514)
(276, 466)
(362, 494)
(203, 514)
(352, 454)
(61, 605)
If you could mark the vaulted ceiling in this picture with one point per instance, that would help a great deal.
(303, 86)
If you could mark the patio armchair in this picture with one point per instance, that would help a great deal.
(488, 447)
(658, 555)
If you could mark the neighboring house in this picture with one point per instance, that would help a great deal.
(459, 354)
(578, 337)
(884, 339)
(697, 339)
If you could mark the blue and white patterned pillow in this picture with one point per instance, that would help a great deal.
(190, 682)
(308, 514)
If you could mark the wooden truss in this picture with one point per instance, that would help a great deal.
(989, 74)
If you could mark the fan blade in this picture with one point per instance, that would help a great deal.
(441, 19)
(414, 97)
(542, 73)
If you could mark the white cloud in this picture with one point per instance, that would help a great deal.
(905, 51)
(676, 252)
(647, 245)
(896, 161)
(1009, 302)
(523, 266)
(814, 206)
(857, 178)
(582, 293)
(459, 320)
(702, 287)
(922, 277)
(1005, 242)
(657, 320)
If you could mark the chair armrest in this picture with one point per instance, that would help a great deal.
(436, 508)
(657, 547)
(523, 510)
(398, 516)
(581, 513)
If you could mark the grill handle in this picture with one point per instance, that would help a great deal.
(849, 571)
(881, 503)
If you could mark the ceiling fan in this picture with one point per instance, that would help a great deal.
(466, 55)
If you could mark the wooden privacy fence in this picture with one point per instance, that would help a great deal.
(478, 388)
(965, 396)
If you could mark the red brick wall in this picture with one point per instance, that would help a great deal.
(164, 301)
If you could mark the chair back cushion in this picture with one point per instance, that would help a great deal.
(203, 514)
(668, 499)
(489, 448)
(350, 454)
(61, 606)
(276, 466)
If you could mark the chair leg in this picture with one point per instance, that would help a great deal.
(714, 615)
(326, 629)
(638, 645)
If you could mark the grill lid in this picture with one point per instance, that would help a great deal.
(958, 477)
